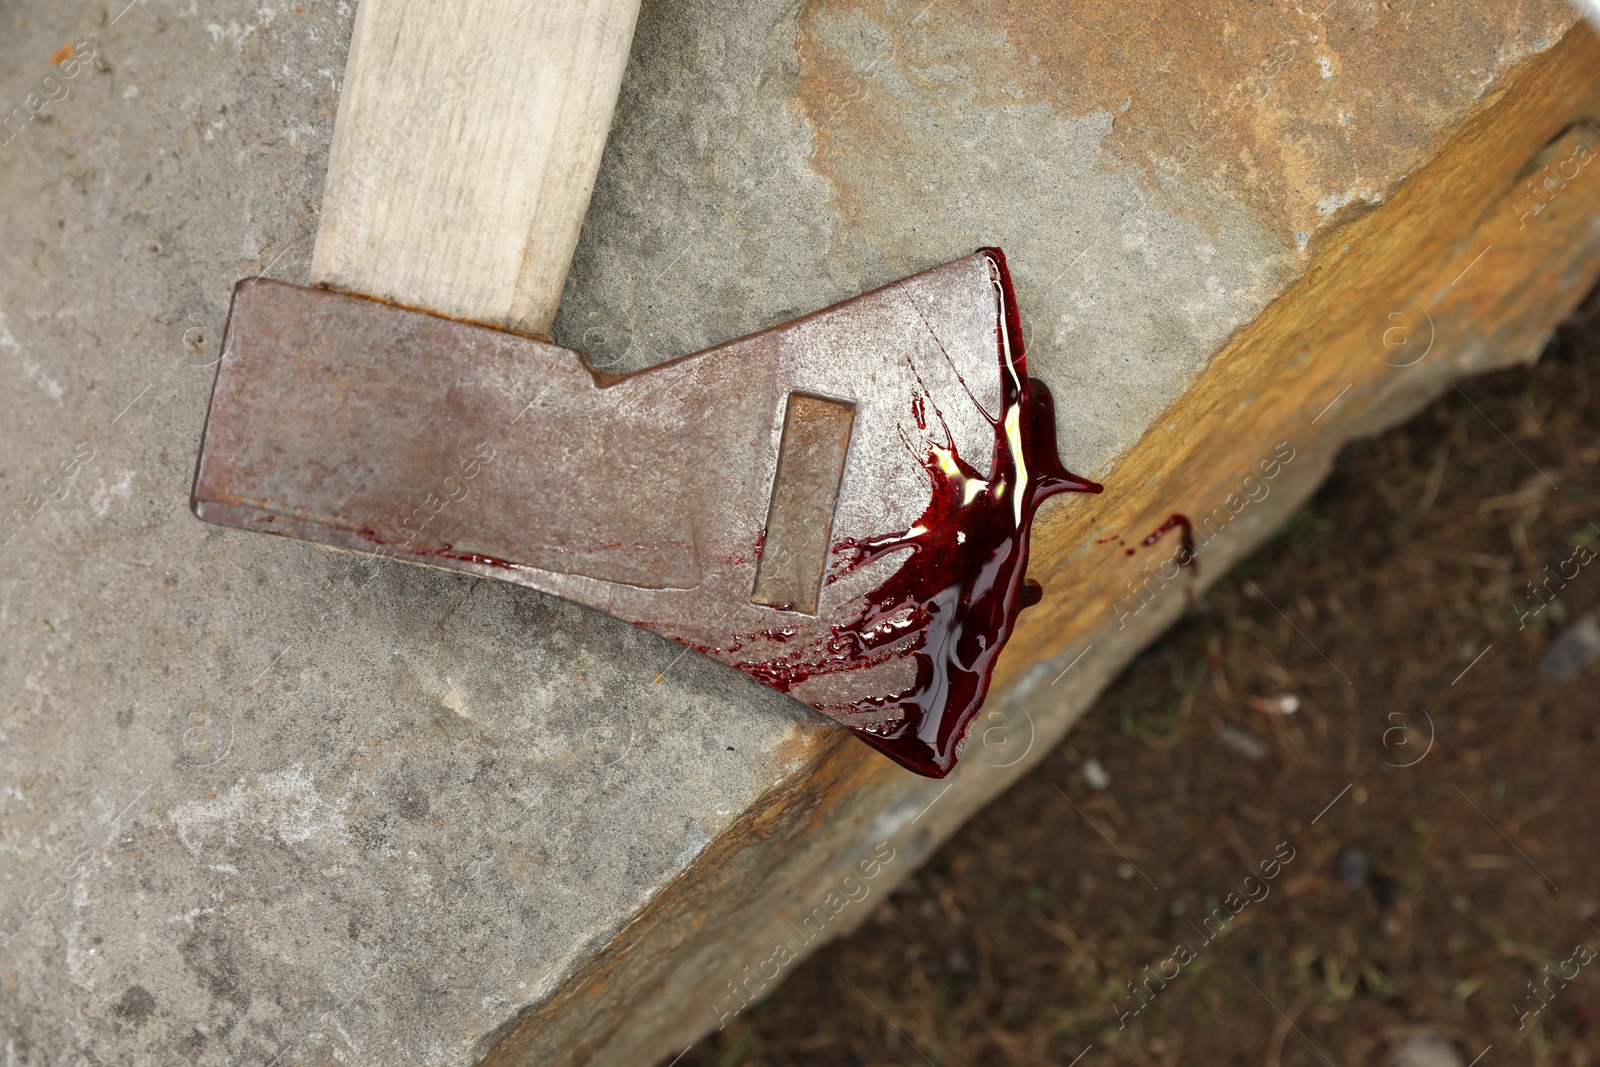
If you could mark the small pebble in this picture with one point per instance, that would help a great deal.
(1247, 745)
(1282, 704)
(1095, 774)
(1427, 1052)
(1355, 866)
(1574, 650)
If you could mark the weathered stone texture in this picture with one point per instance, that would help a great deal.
(260, 800)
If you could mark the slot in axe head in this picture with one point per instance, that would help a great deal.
(838, 507)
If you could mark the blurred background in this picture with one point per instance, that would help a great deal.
(1436, 901)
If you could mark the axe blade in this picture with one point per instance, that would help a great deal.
(838, 506)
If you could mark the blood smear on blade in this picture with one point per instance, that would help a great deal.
(962, 585)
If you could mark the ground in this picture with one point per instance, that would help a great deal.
(1407, 863)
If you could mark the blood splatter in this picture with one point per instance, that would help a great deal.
(953, 602)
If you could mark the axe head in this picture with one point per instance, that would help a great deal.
(838, 507)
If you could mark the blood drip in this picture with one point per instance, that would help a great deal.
(1186, 557)
(962, 586)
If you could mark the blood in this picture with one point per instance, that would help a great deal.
(957, 595)
(367, 533)
(1186, 557)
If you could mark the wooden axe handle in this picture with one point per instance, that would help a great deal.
(465, 150)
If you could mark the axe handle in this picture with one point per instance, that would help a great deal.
(465, 150)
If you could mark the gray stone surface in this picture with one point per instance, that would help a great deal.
(714, 219)
(263, 802)
(260, 800)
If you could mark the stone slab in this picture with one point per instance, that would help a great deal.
(259, 801)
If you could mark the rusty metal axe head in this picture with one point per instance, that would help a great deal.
(838, 507)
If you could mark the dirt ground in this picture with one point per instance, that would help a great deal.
(1406, 866)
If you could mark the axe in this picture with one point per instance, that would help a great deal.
(838, 507)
